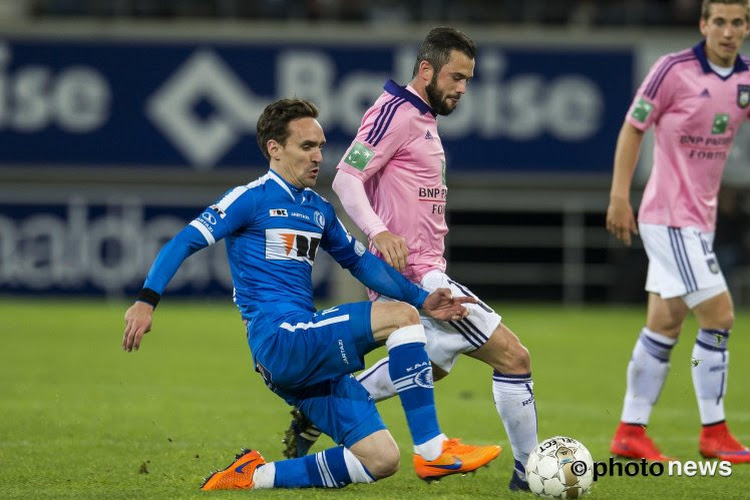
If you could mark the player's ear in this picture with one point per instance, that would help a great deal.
(274, 148)
(426, 71)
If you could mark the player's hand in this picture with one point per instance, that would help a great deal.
(137, 324)
(620, 220)
(442, 306)
(393, 249)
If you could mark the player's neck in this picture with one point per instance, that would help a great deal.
(285, 174)
(722, 62)
(419, 87)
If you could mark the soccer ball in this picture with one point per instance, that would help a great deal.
(560, 467)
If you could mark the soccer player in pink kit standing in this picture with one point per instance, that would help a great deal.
(391, 183)
(696, 101)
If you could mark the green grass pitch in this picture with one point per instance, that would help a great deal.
(79, 418)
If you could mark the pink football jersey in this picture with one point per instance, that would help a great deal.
(398, 155)
(696, 114)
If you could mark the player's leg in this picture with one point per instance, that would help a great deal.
(710, 363)
(647, 371)
(410, 370)
(483, 336)
(343, 409)
(513, 392)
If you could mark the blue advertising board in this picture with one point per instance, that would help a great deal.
(193, 106)
(80, 247)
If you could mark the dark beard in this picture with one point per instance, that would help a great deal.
(437, 99)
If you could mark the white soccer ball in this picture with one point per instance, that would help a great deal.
(560, 467)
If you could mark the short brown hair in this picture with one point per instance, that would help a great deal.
(706, 7)
(273, 123)
(437, 46)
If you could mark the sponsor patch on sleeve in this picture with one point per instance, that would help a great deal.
(642, 110)
(359, 156)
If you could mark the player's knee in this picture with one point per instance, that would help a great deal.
(385, 463)
(725, 321)
(516, 360)
(406, 315)
(511, 357)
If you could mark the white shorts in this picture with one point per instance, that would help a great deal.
(446, 340)
(681, 263)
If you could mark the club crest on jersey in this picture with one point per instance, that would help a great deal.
(743, 95)
(278, 212)
(292, 244)
(320, 219)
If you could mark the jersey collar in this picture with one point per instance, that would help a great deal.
(700, 52)
(397, 90)
(289, 188)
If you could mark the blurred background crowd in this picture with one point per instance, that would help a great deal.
(572, 13)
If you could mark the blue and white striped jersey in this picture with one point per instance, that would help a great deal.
(273, 231)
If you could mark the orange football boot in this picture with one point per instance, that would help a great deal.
(456, 458)
(239, 475)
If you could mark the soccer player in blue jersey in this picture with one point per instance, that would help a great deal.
(274, 227)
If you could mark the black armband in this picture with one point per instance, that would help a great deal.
(148, 296)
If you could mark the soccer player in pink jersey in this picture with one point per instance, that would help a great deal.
(696, 101)
(391, 182)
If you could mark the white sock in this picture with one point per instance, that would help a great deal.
(264, 476)
(514, 400)
(357, 471)
(431, 449)
(710, 362)
(377, 381)
(647, 371)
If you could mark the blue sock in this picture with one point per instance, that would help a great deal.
(411, 373)
(326, 469)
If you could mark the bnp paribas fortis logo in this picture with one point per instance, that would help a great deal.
(642, 110)
(359, 156)
(721, 120)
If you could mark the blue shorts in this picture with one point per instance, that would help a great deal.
(307, 359)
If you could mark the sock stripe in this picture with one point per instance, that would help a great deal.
(659, 350)
(512, 379)
(325, 473)
(710, 347)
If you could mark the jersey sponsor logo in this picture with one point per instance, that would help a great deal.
(359, 156)
(320, 219)
(642, 110)
(209, 217)
(291, 244)
(743, 95)
(278, 212)
(721, 120)
(218, 210)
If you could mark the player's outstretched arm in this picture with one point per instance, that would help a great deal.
(137, 324)
(442, 306)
